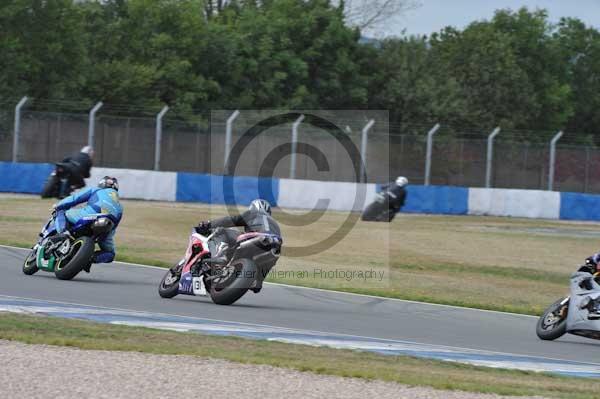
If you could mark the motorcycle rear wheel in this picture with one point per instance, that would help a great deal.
(552, 324)
(51, 187)
(82, 250)
(233, 288)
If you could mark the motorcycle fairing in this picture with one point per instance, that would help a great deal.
(41, 261)
(196, 250)
(185, 284)
(577, 319)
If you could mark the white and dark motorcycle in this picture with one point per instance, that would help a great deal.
(227, 278)
(571, 314)
(382, 209)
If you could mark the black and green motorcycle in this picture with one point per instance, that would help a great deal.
(67, 254)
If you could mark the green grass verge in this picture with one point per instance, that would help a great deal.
(345, 363)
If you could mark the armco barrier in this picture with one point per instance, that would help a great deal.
(437, 200)
(26, 178)
(516, 203)
(574, 206)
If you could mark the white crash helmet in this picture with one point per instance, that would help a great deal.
(260, 205)
(88, 150)
(401, 181)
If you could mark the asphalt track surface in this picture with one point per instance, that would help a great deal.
(133, 287)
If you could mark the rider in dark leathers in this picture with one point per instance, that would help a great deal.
(256, 219)
(397, 192)
(79, 166)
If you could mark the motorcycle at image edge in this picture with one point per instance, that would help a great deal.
(225, 279)
(69, 255)
(61, 174)
(379, 210)
(570, 314)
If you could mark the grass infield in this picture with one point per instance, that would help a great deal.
(344, 363)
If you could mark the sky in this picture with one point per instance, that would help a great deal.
(434, 15)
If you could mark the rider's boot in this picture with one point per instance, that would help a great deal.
(256, 286)
(87, 267)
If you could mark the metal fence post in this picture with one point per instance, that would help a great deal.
(490, 157)
(228, 134)
(158, 139)
(553, 160)
(17, 131)
(429, 151)
(92, 124)
(587, 169)
(363, 150)
(294, 146)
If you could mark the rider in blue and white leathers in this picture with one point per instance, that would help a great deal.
(102, 199)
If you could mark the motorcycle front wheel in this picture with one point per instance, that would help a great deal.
(552, 324)
(169, 285)
(30, 263)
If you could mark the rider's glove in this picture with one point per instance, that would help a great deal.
(203, 228)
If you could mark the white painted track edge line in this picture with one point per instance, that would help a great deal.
(340, 292)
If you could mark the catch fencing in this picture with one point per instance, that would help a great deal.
(457, 158)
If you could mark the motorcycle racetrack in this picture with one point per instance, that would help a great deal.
(126, 294)
(479, 262)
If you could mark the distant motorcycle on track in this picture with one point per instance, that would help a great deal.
(68, 255)
(61, 176)
(381, 209)
(225, 278)
(388, 202)
(571, 314)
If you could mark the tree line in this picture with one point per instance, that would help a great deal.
(517, 70)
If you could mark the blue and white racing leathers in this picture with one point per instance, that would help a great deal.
(98, 200)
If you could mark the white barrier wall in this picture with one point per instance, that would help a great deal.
(516, 203)
(139, 184)
(310, 194)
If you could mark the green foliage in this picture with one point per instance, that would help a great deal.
(516, 70)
